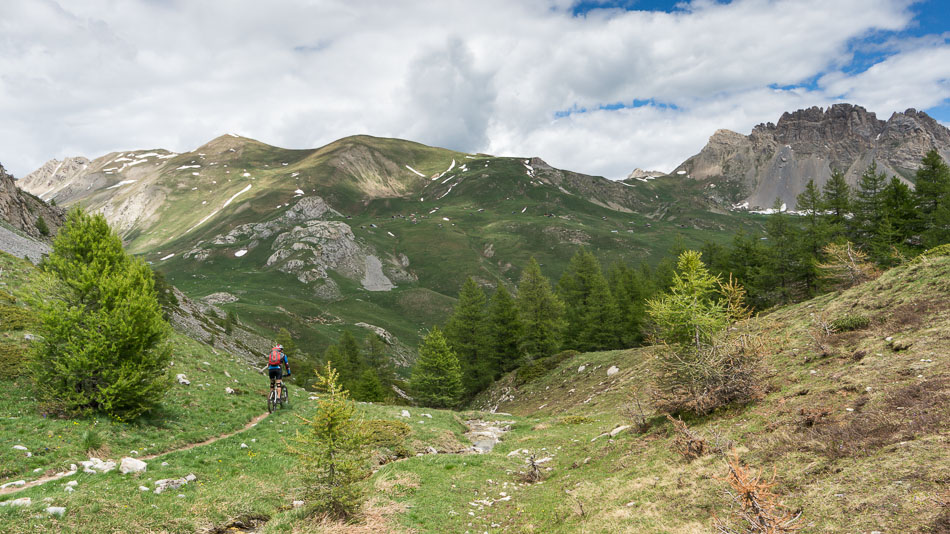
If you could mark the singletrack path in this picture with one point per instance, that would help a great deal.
(47, 478)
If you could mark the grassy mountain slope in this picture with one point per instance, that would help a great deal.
(430, 216)
(856, 432)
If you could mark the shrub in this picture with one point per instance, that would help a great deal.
(15, 359)
(574, 420)
(851, 321)
(332, 450)
(755, 507)
(102, 330)
(389, 435)
(15, 317)
(538, 368)
(42, 226)
(91, 440)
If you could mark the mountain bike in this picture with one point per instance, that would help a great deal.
(273, 399)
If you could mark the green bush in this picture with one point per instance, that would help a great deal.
(15, 317)
(574, 420)
(390, 435)
(103, 336)
(15, 359)
(91, 440)
(540, 367)
(850, 322)
(42, 226)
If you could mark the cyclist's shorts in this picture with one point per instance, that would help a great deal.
(274, 373)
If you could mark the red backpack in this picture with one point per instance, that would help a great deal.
(274, 358)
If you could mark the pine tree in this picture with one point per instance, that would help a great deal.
(815, 236)
(630, 288)
(378, 360)
(932, 192)
(504, 332)
(868, 206)
(541, 313)
(102, 339)
(369, 388)
(898, 201)
(350, 359)
(466, 333)
(693, 310)
(836, 198)
(591, 315)
(42, 226)
(332, 451)
(783, 261)
(284, 338)
(436, 377)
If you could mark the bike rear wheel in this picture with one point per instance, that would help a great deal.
(272, 401)
(283, 396)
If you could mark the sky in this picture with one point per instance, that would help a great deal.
(599, 87)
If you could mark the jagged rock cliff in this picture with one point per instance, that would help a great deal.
(777, 160)
(22, 210)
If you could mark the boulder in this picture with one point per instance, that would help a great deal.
(581, 368)
(228, 391)
(613, 370)
(25, 501)
(15, 483)
(56, 510)
(95, 465)
(183, 380)
(132, 465)
(405, 413)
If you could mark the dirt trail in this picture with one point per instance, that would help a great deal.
(48, 478)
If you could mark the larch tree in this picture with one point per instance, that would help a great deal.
(541, 313)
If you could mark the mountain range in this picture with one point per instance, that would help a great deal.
(378, 234)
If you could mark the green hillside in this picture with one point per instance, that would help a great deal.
(854, 426)
(431, 216)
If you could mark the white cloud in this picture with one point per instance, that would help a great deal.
(95, 76)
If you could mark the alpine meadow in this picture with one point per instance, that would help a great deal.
(378, 334)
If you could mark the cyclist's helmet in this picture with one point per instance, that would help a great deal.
(280, 347)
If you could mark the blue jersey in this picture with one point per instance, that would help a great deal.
(283, 360)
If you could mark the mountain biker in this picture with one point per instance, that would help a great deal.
(274, 359)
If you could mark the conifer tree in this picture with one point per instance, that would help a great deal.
(837, 199)
(350, 358)
(932, 192)
(541, 313)
(630, 288)
(466, 333)
(504, 332)
(369, 388)
(780, 274)
(868, 206)
(378, 360)
(898, 201)
(436, 377)
(331, 449)
(591, 315)
(101, 339)
(815, 236)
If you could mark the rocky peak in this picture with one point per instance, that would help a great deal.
(777, 160)
(22, 210)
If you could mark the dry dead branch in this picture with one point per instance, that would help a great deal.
(756, 509)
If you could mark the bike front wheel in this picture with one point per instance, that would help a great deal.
(272, 401)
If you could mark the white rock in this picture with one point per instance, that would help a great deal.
(229, 391)
(183, 380)
(132, 465)
(56, 510)
(69, 489)
(143, 488)
(38, 470)
(618, 430)
(297, 504)
(405, 413)
(181, 495)
(19, 447)
(95, 465)
(244, 445)
(24, 501)
(164, 464)
(16, 483)
(72, 483)
(581, 368)
(613, 370)
(429, 415)
(191, 477)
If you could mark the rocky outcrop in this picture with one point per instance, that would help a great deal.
(778, 160)
(22, 210)
(308, 246)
